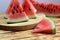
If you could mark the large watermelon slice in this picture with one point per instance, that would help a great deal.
(50, 8)
(16, 13)
(29, 9)
(46, 25)
(39, 6)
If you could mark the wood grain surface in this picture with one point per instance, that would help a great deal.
(28, 35)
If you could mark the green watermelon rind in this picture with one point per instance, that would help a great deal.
(5, 17)
(53, 23)
(17, 21)
(32, 17)
(51, 15)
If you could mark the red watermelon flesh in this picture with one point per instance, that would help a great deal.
(29, 9)
(16, 14)
(58, 8)
(49, 8)
(46, 25)
(41, 7)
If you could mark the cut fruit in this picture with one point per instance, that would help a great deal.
(29, 9)
(53, 9)
(46, 25)
(16, 13)
(48, 9)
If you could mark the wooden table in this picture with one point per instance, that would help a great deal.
(27, 35)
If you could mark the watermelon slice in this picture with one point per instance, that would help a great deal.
(49, 9)
(52, 9)
(16, 13)
(46, 25)
(39, 6)
(29, 9)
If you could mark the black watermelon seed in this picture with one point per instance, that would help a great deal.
(44, 7)
(23, 10)
(29, 9)
(14, 7)
(36, 4)
(37, 27)
(12, 12)
(41, 6)
(20, 11)
(50, 10)
(24, 6)
(17, 6)
(53, 10)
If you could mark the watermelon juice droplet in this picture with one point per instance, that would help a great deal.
(29, 9)
(14, 14)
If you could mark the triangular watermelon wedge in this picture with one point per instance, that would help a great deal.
(29, 9)
(16, 13)
(46, 25)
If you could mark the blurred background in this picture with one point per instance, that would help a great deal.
(5, 3)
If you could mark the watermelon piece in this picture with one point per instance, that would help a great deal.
(15, 13)
(51, 8)
(41, 7)
(46, 25)
(29, 9)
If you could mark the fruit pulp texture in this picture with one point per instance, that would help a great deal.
(29, 8)
(47, 8)
(45, 26)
